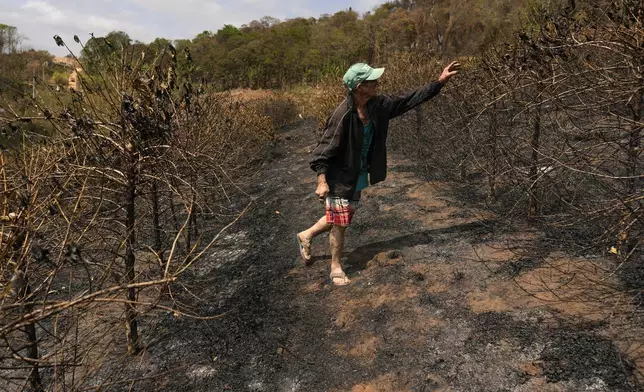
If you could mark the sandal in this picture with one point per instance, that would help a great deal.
(305, 250)
(339, 275)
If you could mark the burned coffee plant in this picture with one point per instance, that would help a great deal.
(546, 129)
(109, 193)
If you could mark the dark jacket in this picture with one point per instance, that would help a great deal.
(338, 152)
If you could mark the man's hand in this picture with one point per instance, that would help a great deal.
(323, 188)
(449, 71)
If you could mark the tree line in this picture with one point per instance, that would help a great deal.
(269, 53)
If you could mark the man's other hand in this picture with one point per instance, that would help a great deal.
(449, 71)
(323, 190)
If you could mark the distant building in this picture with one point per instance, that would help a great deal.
(73, 81)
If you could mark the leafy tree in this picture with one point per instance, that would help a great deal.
(10, 39)
(102, 50)
(226, 33)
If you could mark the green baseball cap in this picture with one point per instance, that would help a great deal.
(360, 72)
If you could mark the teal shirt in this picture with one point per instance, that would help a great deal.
(363, 180)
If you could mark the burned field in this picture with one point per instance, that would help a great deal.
(444, 297)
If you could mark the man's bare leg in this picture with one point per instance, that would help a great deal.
(336, 239)
(307, 235)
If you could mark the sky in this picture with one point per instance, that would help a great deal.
(144, 20)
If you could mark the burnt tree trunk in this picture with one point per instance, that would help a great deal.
(173, 210)
(21, 290)
(158, 245)
(193, 217)
(32, 347)
(494, 160)
(192, 221)
(130, 259)
(534, 165)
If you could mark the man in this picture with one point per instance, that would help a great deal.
(352, 153)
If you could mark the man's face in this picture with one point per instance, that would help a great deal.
(368, 88)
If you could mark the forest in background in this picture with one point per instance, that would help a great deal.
(270, 53)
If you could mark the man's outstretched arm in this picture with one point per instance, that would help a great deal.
(401, 104)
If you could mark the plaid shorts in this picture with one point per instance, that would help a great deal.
(339, 211)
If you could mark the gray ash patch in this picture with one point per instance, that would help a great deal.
(631, 274)
(516, 268)
(534, 258)
(491, 327)
(580, 355)
(469, 194)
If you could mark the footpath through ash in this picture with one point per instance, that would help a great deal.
(439, 299)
